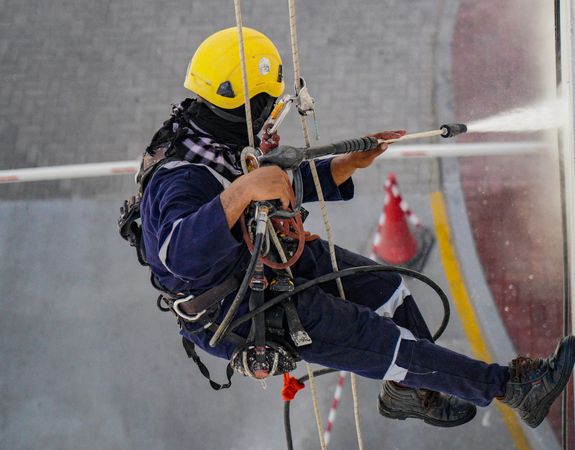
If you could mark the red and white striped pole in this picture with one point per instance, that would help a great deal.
(69, 171)
(398, 152)
(334, 405)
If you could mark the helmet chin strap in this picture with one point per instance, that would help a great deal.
(258, 123)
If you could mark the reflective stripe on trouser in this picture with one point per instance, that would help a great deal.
(351, 336)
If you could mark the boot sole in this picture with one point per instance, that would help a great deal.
(435, 422)
(536, 416)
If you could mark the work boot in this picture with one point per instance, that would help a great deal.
(434, 408)
(535, 383)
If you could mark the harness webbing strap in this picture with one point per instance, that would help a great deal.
(258, 332)
(296, 330)
(191, 352)
(213, 296)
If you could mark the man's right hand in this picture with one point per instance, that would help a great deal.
(264, 183)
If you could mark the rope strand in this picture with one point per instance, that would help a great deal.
(315, 405)
(244, 73)
(324, 213)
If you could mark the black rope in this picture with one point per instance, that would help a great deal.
(287, 421)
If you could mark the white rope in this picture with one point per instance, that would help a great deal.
(308, 367)
(328, 229)
(277, 244)
(315, 405)
(244, 73)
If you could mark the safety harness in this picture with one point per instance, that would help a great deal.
(267, 350)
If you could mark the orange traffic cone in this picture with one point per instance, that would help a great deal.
(395, 242)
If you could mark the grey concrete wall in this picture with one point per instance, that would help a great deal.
(91, 81)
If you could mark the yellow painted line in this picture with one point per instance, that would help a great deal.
(465, 309)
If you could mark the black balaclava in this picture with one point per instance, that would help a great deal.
(229, 131)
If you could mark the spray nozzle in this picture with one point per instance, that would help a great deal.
(452, 129)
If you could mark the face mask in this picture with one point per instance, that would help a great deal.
(229, 126)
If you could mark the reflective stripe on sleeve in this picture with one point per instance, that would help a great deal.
(163, 253)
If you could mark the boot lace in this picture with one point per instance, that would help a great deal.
(523, 368)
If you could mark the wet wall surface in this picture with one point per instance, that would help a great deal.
(503, 58)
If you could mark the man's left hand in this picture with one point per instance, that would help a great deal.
(361, 160)
(343, 166)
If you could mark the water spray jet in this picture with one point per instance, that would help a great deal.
(546, 115)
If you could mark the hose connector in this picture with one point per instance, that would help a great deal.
(262, 214)
(452, 129)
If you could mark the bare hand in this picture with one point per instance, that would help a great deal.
(360, 160)
(264, 183)
(267, 183)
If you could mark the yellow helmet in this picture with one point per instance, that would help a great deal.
(215, 72)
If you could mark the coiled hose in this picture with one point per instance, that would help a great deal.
(349, 272)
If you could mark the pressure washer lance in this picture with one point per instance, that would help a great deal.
(288, 157)
(446, 131)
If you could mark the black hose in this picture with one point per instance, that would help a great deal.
(361, 144)
(224, 326)
(287, 421)
(298, 190)
(341, 274)
(353, 271)
(288, 157)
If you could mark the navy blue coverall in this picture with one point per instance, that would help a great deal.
(190, 248)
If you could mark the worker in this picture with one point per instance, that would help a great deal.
(194, 197)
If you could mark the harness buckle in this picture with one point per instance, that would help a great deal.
(183, 315)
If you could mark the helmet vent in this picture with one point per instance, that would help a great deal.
(225, 90)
